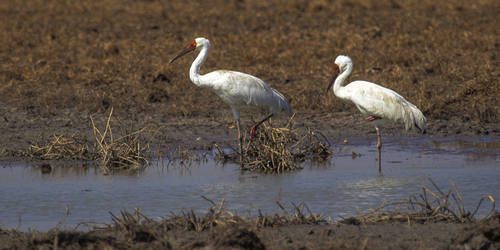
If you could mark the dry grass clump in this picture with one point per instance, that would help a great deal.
(136, 226)
(217, 215)
(270, 150)
(277, 150)
(300, 215)
(428, 206)
(62, 147)
(126, 152)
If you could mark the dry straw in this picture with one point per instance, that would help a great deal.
(270, 150)
(62, 147)
(278, 150)
(217, 215)
(126, 152)
(299, 215)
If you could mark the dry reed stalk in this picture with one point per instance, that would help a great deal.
(126, 152)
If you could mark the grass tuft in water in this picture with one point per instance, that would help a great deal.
(278, 150)
(270, 150)
(127, 152)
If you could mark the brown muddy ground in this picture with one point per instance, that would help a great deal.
(390, 235)
(61, 62)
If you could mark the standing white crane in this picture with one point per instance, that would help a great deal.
(235, 88)
(377, 102)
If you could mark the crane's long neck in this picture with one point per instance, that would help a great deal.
(194, 71)
(340, 81)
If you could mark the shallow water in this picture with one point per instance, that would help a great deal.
(69, 196)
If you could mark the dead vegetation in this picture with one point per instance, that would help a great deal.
(129, 229)
(62, 147)
(126, 152)
(273, 150)
(270, 150)
(432, 205)
(298, 215)
(219, 227)
(217, 215)
(278, 150)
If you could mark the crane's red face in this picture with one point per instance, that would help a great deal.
(336, 71)
(190, 47)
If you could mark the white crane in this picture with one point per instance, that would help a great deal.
(377, 102)
(235, 88)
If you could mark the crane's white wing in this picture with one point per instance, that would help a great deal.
(239, 89)
(373, 99)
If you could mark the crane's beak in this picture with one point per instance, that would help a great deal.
(190, 47)
(336, 71)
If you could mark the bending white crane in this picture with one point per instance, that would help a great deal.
(235, 88)
(375, 101)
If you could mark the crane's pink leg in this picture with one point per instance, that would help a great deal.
(240, 141)
(372, 118)
(379, 142)
(379, 147)
(254, 127)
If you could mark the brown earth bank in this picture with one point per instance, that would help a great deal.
(242, 235)
(62, 62)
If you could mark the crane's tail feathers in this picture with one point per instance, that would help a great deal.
(282, 104)
(414, 118)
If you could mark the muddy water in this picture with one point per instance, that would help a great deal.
(72, 195)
